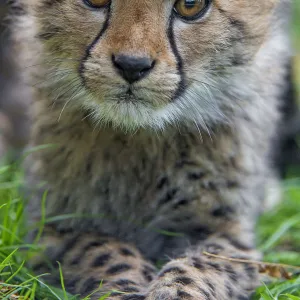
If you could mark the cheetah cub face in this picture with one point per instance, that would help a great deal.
(147, 63)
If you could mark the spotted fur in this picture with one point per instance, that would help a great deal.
(178, 166)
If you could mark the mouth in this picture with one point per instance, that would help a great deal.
(130, 107)
(130, 96)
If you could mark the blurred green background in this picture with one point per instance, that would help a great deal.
(296, 42)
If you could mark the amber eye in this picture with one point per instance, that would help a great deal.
(97, 3)
(191, 9)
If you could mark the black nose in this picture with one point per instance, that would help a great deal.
(132, 68)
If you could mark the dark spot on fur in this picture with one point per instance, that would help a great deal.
(72, 283)
(126, 252)
(223, 211)
(210, 186)
(176, 270)
(130, 289)
(76, 261)
(89, 285)
(231, 273)
(123, 282)
(229, 291)
(162, 182)
(69, 244)
(184, 162)
(148, 272)
(115, 294)
(232, 184)
(168, 197)
(205, 293)
(201, 232)
(195, 175)
(198, 264)
(184, 295)
(214, 265)
(106, 191)
(184, 280)
(251, 271)
(89, 164)
(238, 60)
(183, 154)
(133, 297)
(119, 268)
(66, 200)
(180, 203)
(211, 288)
(147, 275)
(94, 244)
(64, 230)
(101, 260)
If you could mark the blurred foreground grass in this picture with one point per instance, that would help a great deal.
(296, 43)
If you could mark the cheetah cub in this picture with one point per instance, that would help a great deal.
(160, 118)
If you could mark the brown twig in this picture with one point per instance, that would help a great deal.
(259, 263)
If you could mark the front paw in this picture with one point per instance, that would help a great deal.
(181, 288)
(164, 290)
(181, 280)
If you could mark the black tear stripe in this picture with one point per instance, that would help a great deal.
(91, 46)
(182, 84)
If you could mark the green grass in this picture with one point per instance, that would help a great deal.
(16, 280)
(279, 229)
(14, 251)
(279, 239)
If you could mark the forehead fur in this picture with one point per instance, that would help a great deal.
(141, 26)
(134, 22)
